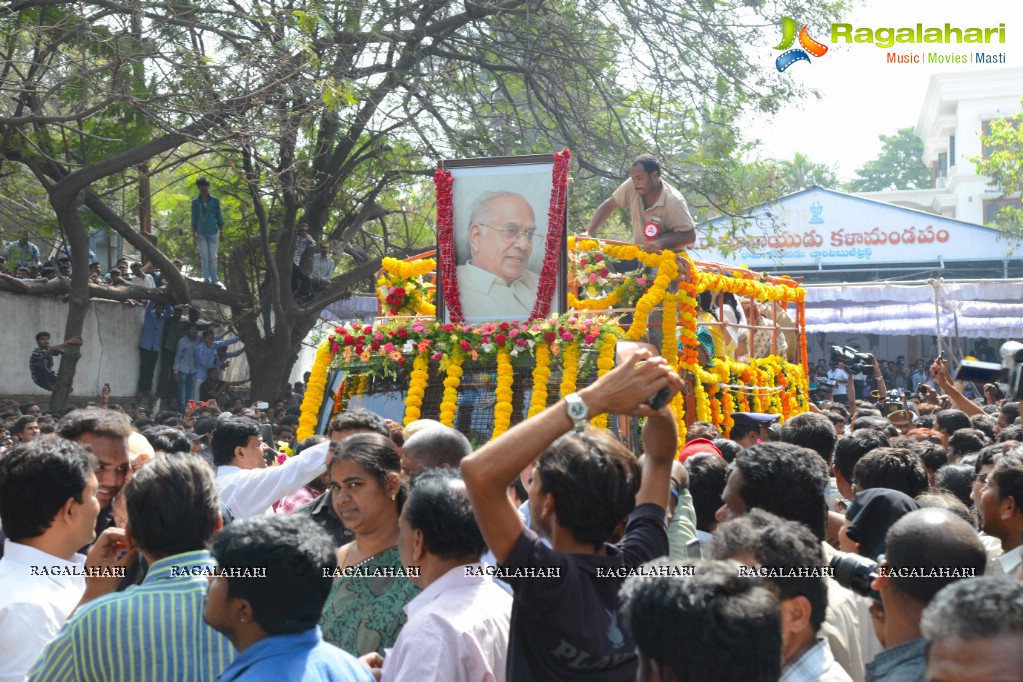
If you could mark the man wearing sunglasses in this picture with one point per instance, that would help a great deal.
(495, 282)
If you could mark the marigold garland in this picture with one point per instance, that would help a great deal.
(723, 387)
(503, 392)
(605, 361)
(541, 375)
(669, 341)
(570, 368)
(401, 290)
(678, 406)
(417, 388)
(315, 390)
(449, 403)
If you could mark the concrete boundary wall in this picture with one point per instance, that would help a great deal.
(110, 353)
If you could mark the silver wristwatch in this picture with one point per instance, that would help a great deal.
(577, 411)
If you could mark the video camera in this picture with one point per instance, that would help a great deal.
(854, 360)
(1009, 374)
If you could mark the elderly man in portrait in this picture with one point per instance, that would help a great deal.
(495, 282)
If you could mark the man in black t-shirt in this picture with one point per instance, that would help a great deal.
(585, 483)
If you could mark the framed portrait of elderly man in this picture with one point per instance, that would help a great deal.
(501, 238)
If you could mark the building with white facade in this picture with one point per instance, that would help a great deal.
(956, 111)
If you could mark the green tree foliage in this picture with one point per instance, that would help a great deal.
(1004, 165)
(898, 166)
(339, 112)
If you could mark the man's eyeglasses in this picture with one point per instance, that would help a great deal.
(510, 233)
(982, 480)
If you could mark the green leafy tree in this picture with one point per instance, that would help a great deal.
(1004, 165)
(898, 166)
(339, 112)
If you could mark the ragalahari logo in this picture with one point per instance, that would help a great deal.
(788, 36)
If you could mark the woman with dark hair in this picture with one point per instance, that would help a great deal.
(365, 609)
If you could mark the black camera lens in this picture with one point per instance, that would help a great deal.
(856, 573)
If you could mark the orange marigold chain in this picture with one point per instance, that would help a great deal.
(310, 410)
(541, 375)
(449, 402)
(418, 380)
(605, 361)
(570, 368)
(503, 392)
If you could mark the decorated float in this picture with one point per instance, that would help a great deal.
(424, 357)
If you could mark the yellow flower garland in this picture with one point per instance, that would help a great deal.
(605, 361)
(449, 403)
(605, 303)
(503, 392)
(314, 391)
(541, 375)
(570, 368)
(409, 273)
(417, 388)
(408, 269)
(667, 272)
(766, 384)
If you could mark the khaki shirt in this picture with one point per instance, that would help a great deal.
(670, 209)
(485, 296)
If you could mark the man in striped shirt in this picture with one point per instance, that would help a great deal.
(153, 631)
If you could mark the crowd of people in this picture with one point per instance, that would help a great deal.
(833, 378)
(839, 545)
(181, 359)
(22, 262)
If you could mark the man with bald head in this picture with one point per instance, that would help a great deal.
(434, 447)
(974, 631)
(495, 282)
(925, 551)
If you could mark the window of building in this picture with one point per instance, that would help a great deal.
(993, 206)
(985, 129)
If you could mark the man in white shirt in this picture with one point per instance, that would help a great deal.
(323, 265)
(495, 282)
(140, 277)
(457, 629)
(841, 378)
(48, 507)
(247, 485)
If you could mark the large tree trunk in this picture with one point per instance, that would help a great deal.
(79, 301)
(270, 370)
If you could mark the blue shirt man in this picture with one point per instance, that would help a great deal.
(186, 365)
(207, 226)
(277, 638)
(22, 253)
(149, 344)
(304, 655)
(206, 353)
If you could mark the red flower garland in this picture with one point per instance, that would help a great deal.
(555, 226)
(448, 264)
(446, 244)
